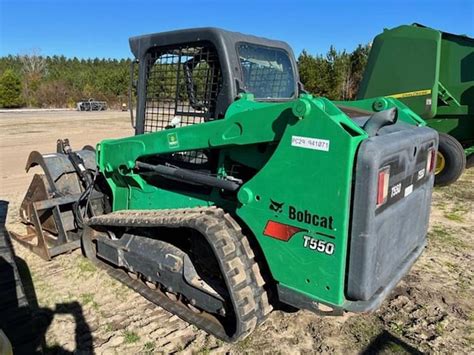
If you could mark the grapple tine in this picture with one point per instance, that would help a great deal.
(48, 208)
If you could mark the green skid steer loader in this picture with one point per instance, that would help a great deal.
(239, 191)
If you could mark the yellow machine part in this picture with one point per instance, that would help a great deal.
(440, 162)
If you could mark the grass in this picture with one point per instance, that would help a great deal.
(149, 347)
(85, 266)
(461, 190)
(88, 298)
(241, 345)
(438, 231)
(46, 293)
(439, 328)
(452, 267)
(453, 216)
(119, 289)
(130, 337)
(464, 287)
(457, 213)
(455, 241)
(396, 328)
(470, 336)
(363, 328)
(442, 235)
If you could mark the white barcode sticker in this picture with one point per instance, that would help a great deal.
(310, 143)
(408, 190)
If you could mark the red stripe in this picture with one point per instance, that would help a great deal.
(280, 231)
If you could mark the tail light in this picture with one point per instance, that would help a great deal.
(382, 185)
(431, 160)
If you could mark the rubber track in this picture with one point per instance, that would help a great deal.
(232, 249)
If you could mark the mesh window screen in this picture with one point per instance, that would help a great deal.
(182, 86)
(267, 72)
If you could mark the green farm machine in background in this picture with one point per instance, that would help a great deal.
(432, 72)
(239, 191)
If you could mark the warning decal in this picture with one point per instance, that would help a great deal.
(411, 94)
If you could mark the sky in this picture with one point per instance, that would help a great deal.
(89, 29)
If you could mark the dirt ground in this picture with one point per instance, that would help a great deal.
(83, 309)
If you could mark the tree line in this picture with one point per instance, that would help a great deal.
(56, 81)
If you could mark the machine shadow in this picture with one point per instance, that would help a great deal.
(23, 321)
(387, 343)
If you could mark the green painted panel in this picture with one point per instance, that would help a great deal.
(430, 71)
(404, 62)
(457, 69)
(309, 182)
(460, 128)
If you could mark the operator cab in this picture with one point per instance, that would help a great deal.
(192, 76)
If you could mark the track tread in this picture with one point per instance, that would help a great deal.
(231, 247)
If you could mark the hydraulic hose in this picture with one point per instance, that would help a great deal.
(379, 120)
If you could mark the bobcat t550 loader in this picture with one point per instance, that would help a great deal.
(239, 190)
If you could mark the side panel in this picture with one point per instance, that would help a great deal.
(303, 195)
(404, 63)
(460, 128)
(457, 69)
(457, 75)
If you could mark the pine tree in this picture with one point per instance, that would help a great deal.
(10, 90)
